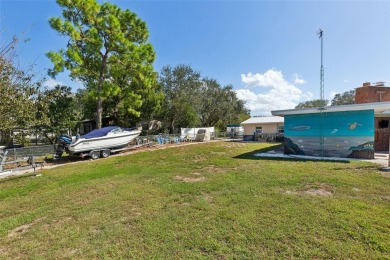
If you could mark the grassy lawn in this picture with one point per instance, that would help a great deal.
(213, 201)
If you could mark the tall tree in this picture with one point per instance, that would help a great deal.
(219, 104)
(345, 98)
(18, 93)
(194, 101)
(107, 50)
(117, 105)
(234, 108)
(180, 87)
(312, 103)
(85, 103)
(60, 109)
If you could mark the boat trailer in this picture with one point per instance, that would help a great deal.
(65, 140)
(96, 154)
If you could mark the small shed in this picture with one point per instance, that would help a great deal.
(263, 125)
(335, 131)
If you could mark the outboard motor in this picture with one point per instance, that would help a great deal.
(65, 139)
(62, 144)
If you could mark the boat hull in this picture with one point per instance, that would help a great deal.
(114, 141)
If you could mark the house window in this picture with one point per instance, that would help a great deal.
(259, 129)
(280, 129)
(384, 124)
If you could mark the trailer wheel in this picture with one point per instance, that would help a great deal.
(105, 153)
(94, 155)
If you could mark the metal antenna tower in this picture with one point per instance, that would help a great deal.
(320, 34)
(322, 108)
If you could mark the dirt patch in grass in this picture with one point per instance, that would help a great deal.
(62, 220)
(290, 192)
(190, 179)
(199, 158)
(313, 189)
(56, 223)
(196, 173)
(311, 192)
(386, 174)
(70, 252)
(207, 197)
(22, 229)
(135, 212)
(218, 153)
(215, 169)
(318, 189)
(318, 192)
(234, 145)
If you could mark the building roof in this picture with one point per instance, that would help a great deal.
(263, 120)
(380, 109)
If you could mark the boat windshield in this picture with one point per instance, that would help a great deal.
(116, 130)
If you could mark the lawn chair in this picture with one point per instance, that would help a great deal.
(160, 139)
(176, 139)
(183, 138)
(167, 139)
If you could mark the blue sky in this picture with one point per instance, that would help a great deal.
(268, 50)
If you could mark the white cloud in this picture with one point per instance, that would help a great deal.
(281, 94)
(271, 77)
(298, 80)
(51, 83)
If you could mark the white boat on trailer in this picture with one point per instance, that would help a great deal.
(102, 142)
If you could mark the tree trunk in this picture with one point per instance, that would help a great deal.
(99, 110)
(171, 127)
(99, 107)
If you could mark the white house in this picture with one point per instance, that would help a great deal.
(271, 125)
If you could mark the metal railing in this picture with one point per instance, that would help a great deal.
(272, 137)
(16, 154)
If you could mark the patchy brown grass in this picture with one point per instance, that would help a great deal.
(140, 206)
(215, 169)
(318, 192)
(19, 231)
(386, 174)
(196, 173)
(218, 153)
(190, 179)
(199, 158)
(313, 189)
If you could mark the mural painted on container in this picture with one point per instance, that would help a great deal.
(344, 133)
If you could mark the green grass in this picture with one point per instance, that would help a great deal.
(213, 201)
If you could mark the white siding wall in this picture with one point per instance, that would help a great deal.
(270, 128)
